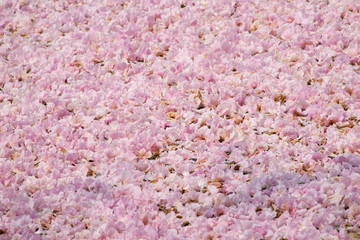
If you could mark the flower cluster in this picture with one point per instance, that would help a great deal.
(179, 119)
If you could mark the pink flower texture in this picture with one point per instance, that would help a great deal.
(179, 119)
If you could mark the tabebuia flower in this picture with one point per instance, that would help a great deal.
(186, 119)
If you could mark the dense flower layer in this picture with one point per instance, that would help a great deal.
(178, 119)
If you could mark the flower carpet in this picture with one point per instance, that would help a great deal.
(179, 119)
